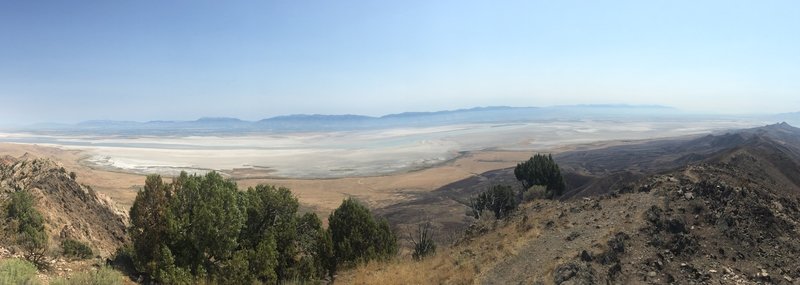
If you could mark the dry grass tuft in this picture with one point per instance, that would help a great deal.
(438, 269)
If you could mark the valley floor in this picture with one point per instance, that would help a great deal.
(318, 195)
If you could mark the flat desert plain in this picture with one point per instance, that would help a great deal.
(379, 167)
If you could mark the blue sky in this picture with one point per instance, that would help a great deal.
(68, 61)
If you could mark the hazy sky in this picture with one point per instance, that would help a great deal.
(67, 61)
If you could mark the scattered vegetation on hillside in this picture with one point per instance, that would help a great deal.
(22, 272)
(540, 177)
(202, 229)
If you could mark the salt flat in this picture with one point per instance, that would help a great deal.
(350, 153)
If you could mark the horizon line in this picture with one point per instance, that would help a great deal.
(611, 105)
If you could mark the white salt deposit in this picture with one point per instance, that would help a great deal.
(357, 153)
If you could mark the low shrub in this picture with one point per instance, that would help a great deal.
(535, 192)
(102, 276)
(76, 249)
(423, 244)
(17, 271)
(500, 200)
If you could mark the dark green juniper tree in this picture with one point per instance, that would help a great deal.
(201, 228)
(541, 170)
(357, 237)
(30, 226)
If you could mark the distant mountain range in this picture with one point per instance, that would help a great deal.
(791, 118)
(317, 122)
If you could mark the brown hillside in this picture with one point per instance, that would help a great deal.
(732, 217)
(595, 172)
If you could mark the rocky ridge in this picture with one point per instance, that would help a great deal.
(725, 209)
(70, 210)
(732, 218)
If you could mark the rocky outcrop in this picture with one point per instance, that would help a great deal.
(70, 210)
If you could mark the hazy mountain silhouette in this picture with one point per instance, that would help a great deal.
(321, 122)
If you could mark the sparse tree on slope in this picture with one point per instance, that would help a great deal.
(357, 237)
(541, 170)
(30, 226)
